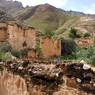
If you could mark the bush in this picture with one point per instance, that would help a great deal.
(20, 54)
(68, 47)
(7, 56)
(92, 60)
(5, 47)
(16, 53)
(87, 54)
(87, 34)
(74, 33)
(2, 12)
(49, 34)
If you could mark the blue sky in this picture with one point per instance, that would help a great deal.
(86, 6)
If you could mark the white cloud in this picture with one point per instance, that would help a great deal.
(93, 5)
(90, 10)
(56, 3)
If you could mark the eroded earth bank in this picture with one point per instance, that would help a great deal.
(33, 78)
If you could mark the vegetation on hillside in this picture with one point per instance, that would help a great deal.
(87, 54)
(49, 34)
(87, 34)
(74, 33)
(45, 17)
(69, 48)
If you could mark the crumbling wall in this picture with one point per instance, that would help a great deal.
(15, 38)
(30, 37)
(50, 47)
(3, 32)
(20, 37)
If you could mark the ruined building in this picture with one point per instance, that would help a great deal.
(18, 36)
(21, 36)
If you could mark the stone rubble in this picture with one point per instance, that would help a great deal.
(80, 76)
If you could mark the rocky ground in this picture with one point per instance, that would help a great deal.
(39, 78)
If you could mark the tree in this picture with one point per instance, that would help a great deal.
(68, 46)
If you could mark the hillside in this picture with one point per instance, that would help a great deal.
(49, 18)
(4, 16)
(10, 6)
(46, 17)
(82, 24)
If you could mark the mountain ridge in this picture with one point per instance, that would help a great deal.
(46, 17)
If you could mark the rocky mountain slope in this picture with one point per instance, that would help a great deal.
(45, 17)
(48, 18)
(9, 5)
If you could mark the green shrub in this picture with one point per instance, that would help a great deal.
(49, 34)
(92, 60)
(16, 53)
(2, 12)
(7, 56)
(5, 47)
(74, 33)
(87, 34)
(38, 48)
(20, 54)
(87, 54)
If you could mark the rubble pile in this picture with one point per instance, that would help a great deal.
(84, 75)
(46, 72)
(81, 74)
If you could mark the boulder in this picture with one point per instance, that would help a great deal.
(86, 66)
